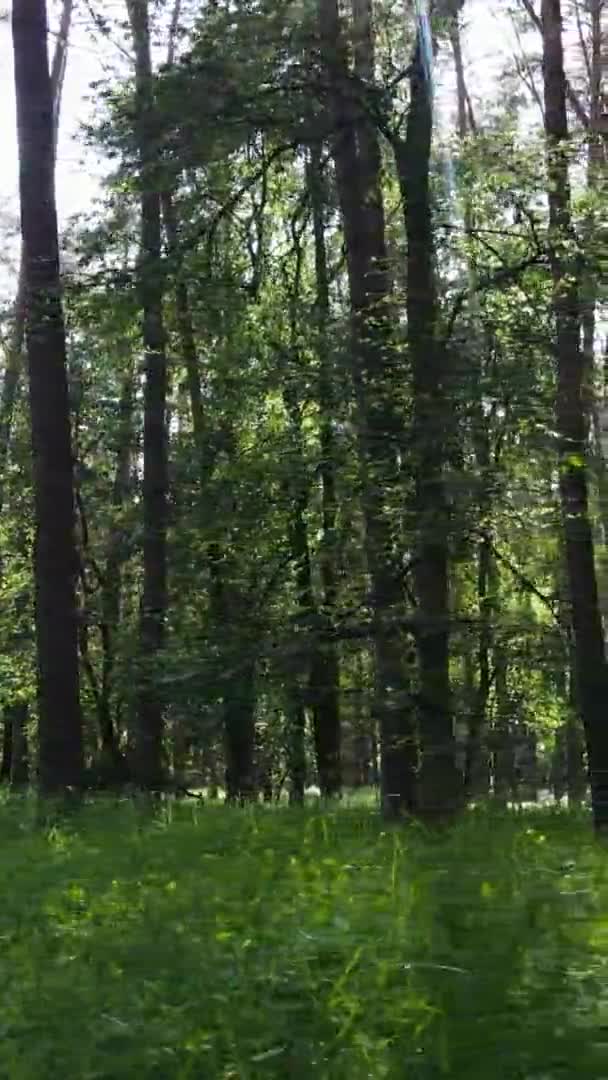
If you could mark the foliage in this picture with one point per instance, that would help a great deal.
(225, 943)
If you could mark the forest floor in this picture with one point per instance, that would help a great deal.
(206, 942)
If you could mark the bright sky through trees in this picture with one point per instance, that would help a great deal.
(487, 43)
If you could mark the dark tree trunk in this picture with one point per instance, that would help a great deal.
(7, 747)
(325, 665)
(149, 748)
(230, 616)
(576, 780)
(439, 778)
(239, 729)
(60, 721)
(591, 669)
(377, 388)
(14, 352)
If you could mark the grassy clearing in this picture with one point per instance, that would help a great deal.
(216, 943)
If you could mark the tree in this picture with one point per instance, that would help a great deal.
(590, 659)
(14, 763)
(374, 370)
(60, 722)
(149, 748)
(439, 781)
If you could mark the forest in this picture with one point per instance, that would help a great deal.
(304, 545)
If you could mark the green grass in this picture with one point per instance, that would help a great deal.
(216, 943)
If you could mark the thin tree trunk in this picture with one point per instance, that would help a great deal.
(476, 763)
(149, 749)
(374, 365)
(476, 769)
(504, 748)
(112, 576)
(439, 778)
(297, 490)
(591, 670)
(185, 329)
(60, 721)
(325, 666)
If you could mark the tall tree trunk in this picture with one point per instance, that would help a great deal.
(297, 490)
(60, 721)
(374, 365)
(112, 575)
(325, 666)
(149, 749)
(14, 351)
(439, 779)
(591, 670)
(476, 769)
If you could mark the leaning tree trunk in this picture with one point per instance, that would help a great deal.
(377, 388)
(149, 747)
(439, 779)
(590, 659)
(55, 570)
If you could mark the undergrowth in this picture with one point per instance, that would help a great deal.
(205, 942)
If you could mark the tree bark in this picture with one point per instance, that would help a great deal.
(374, 368)
(239, 733)
(591, 669)
(439, 779)
(60, 721)
(149, 748)
(14, 352)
